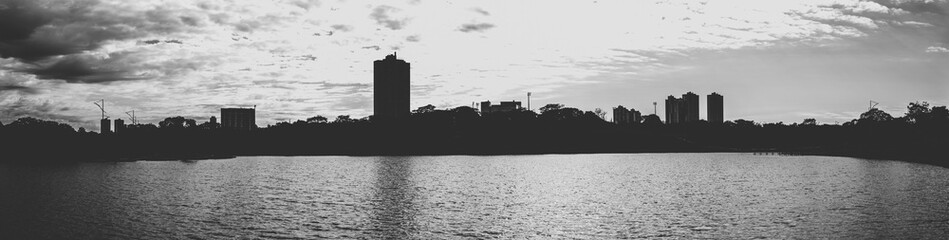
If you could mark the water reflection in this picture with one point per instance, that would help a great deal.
(394, 196)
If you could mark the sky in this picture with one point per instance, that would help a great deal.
(773, 61)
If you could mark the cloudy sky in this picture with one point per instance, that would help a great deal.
(782, 60)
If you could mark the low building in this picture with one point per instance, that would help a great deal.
(510, 106)
(105, 125)
(119, 125)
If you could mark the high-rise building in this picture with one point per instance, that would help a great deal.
(238, 118)
(690, 107)
(391, 82)
(621, 115)
(716, 108)
(672, 110)
(119, 125)
(105, 125)
(682, 110)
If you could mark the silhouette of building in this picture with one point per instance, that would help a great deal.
(691, 107)
(682, 110)
(238, 118)
(672, 109)
(621, 115)
(119, 125)
(635, 116)
(716, 108)
(213, 120)
(105, 125)
(510, 106)
(391, 82)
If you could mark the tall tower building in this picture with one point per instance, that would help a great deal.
(690, 107)
(390, 89)
(672, 110)
(716, 108)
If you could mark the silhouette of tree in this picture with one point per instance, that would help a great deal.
(875, 115)
(177, 122)
(81, 130)
(745, 123)
(316, 119)
(424, 109)
(652, 120)
(560, 114)
(809, 122)
(599, 113)
(939, 114)
(343, 119)
(917, 111)
(550, 107)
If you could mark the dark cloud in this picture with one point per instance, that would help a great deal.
(382, 15)
(918, 6)
(41, 110)
(16, 88)
(53, 38)
(477, 27)
(85, 69)
(413, 38)
(156, 41)
(374, 47)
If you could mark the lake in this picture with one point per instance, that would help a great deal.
(590, 196)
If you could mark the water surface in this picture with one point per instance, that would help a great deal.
(535, 196)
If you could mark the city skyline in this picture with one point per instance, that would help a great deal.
(295, 59)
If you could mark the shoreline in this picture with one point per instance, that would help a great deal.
(911, 159)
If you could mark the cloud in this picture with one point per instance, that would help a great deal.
(31, 108)
(155, 41)
(342, 28)
(481, 11)
(477, 27)
(935, 49)
(85, 69)
(22, 89)
(382, 16)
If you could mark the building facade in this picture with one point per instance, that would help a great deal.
(716, 109)
(238, 118)
(391, 86)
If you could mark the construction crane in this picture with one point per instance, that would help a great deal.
(132, 116)
(101, 107)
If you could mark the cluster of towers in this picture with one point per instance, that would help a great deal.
(686, 108)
